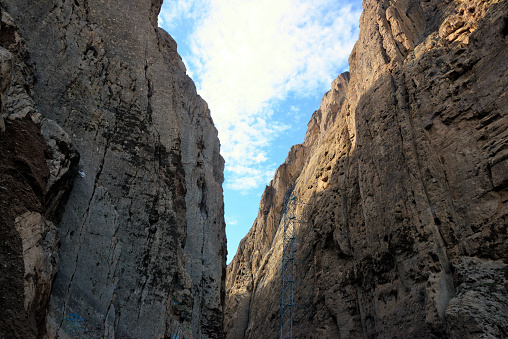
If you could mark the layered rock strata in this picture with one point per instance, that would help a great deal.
(142, 243)
(405, 167)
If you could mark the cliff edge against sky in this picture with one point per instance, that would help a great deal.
(111, 208)
(405, 166)
(138, 243)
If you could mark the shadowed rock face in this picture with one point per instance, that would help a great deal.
(37, 167)
(405, 165)
(142, 243)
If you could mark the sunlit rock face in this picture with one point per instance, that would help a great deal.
(405, 165)
(139, 247)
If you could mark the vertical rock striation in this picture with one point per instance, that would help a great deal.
(142, 243)
(37, 166)
(405, 167)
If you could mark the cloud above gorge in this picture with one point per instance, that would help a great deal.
(247, 57)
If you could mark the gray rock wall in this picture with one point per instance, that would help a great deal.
(37, 166)
(142, 249)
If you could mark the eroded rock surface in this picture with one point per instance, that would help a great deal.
(36, 172)
(142, 251)
(405, 167)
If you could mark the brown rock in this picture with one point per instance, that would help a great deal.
(23, 175)
(407, 184)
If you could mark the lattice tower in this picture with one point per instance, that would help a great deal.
(295, 217)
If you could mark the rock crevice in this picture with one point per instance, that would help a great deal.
(138, 257)
(403, 183)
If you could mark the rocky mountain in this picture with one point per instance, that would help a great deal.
(110, 177)
(405, 167)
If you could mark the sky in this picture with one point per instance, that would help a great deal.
(262, 66)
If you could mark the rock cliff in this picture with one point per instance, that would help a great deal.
(37, 167)
(405, 166)
(139, 246)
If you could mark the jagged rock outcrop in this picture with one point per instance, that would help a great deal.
(405, 165)
(142, 244)
(38, 163)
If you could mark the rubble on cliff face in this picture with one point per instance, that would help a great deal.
(405, 165)
(142, 243)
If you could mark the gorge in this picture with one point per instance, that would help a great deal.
(111, 205)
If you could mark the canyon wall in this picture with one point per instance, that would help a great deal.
(405, 166)
(139, 246)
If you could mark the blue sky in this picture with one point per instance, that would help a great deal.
(263, 67)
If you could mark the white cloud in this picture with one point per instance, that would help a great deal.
(295, 114)
(231, 221)
(247, 54)
(172, 12)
